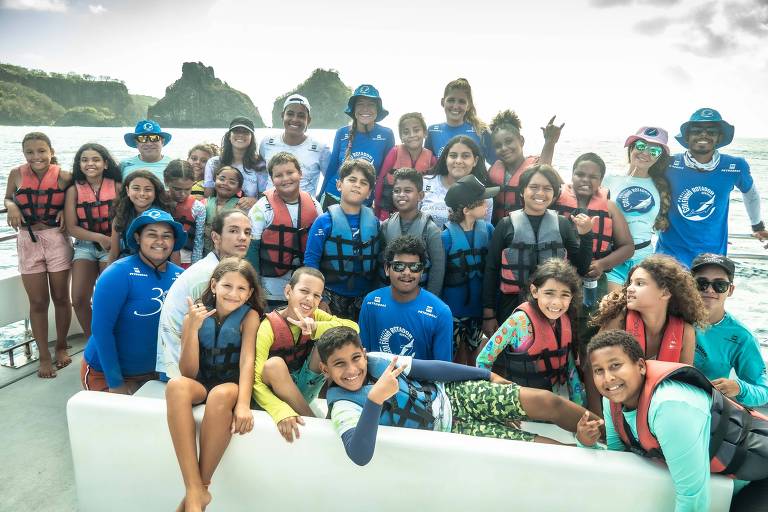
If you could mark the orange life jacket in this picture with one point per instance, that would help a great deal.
(545, 363)
(294, 352)
(40, 200)
(403, 160)
(510, 196)
(671, 341)
(183, 215)
(602, 226)
(738, 437)
(94, 213)
(282, 245)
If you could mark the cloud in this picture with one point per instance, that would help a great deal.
(619, 3)
(97, 9)
(752, 19)
(35, 5)
(610, 3)
(678, 74)
(711, 44)
(653, 26)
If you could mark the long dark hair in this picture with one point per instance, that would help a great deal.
(251, 159)
(245, 269)
(112, 171)
(479, 171)
(125, 212)
(657, 172)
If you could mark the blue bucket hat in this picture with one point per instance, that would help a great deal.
(146, 127)
(366, 91)
(707, 115)
(153, 216)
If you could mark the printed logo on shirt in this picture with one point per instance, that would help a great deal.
(376, 302)
(427, 311)
(137, 272)
(362, 154)
(313, 147)
(378, 137)
(635, 201)
(731, 168)
(397, 337)
(696, 203)
(271, 141)
(319, 232)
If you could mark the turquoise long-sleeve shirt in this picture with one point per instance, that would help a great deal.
(727, 345)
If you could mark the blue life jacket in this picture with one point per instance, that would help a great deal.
(410, 407)
(220, 348)
(464, 262)
(341, 250)
(393, 229)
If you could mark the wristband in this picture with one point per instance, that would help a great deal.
(760, 226)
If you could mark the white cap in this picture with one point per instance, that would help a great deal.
(296, 99)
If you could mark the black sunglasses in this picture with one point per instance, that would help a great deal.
(719, 285)
(399, 266)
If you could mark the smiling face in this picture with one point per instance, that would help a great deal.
(366, 110)
(179, 189)
(197, 159)
(235, 236)
(713, 301)
(92, 164)
(538, 195)
(456, 104)
(227, 183)
(617, 377)
(404, 282)
(150, 151)
(405, 196)
(305, 295)
(286, 178)
(231, 291)
(141, 193)
(354, 188)
(240, 138)
(38, 154)
(586, 179)
(509, 147)
(553, 298)
(703, 137)
(347, 367)
(643, 293)
(156, 242)
(460, 161)
(296, 119)
(642, 160)
(412, 134)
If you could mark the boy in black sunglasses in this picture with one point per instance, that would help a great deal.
(727, 344)
(403, 318)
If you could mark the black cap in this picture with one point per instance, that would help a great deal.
(241, 122)
(702, 260)
(468, 190)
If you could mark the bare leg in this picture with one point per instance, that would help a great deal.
(462, 356)
(84, 274)
(36, 286)
(59, 283)
(215, 431)
(180, 394)
(276, 376)
(542, 405)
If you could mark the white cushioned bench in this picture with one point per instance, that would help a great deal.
(124, 460)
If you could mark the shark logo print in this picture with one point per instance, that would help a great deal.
(696, 203)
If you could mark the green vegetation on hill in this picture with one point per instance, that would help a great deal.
(326, 93)
(20, 105)
(142, 104)
(88, 116)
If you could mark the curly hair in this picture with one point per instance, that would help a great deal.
(358, 164)
(245, 269)
(125, 212)
(457, 215)
(406, 244)
(657, 173)
(506, 120)
(685, 301)
(563, 272)
(617, 338)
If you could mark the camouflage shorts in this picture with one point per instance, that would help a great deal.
(468, 331)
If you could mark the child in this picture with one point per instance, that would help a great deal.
(197, 157)
(238, 150)
(534, 346)
(460, 119)
(229, 184)
(281, 221)
(364, 139)
(460, 158)
(430, 395)
(410, 154)
(508, 144)
(344, 241)
(217, 354)
(287, 375)
(88, 210)
(647, 403)
(408, 220)
(727, 346)
(179, 179)
(659, 306)
(34, 198)
(465, 240)
(141, 190)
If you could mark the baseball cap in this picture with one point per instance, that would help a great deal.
(724, 263)
(297, 99)
(468, 190)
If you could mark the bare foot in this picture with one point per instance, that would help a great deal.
(196, 500)
(62, 358)
(46, 370)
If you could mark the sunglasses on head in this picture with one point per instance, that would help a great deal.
(719, 285)
(152, 137)
(399, 266)
(654, 151)
(711, 131)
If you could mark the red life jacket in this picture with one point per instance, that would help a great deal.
(545, 363)
(40, 200)
(738, 437)
(403, 160)
(183, 215)
(671, 341)
(510, 196)
(282, 244)
(293, 352)
(602, 227)
(94, 213)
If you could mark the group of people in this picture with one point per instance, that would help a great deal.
(450, 282)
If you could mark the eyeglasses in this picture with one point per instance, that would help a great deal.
(711, 131)
(399, 266)
(654, 151)
(152, 137)
(719, 285)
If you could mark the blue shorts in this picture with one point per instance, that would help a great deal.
(87, 250)
(308, 382)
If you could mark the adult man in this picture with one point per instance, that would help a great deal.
(727, 344)
(231, 234)
(701, 181)
(402, 318)
(149, 139)
(312, 155)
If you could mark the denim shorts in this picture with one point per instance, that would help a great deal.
(87, 250)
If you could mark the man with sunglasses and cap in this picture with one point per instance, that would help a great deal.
(701, 180)
(313, 155)
(726, 344)
(149, 139)
(402, 318)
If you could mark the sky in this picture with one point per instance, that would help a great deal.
(604, 67)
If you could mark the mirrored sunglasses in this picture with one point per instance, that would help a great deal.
(152, 137)
(399, 266)
(654, 151)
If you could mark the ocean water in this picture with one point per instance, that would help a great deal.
(750, 300)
